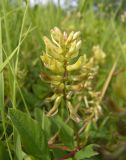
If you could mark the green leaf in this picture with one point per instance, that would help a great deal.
(3, 153)
(41, 90)
(58, 153)
(66, 133)
(32, 136)
(86, 152)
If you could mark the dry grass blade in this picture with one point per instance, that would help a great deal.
(108, 79)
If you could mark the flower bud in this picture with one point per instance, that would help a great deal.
(77, 65)
(76, 35)
(73, 47)
(57, 67)
(70, 37)
(72, 53)
(52, 50)
(76, 87)
(78, 45)
(57, 36)
(45, 77)
(52, 64)
(54, 109)
(73, 114)
(52, 98)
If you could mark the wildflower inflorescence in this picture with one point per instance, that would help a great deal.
(72, 76)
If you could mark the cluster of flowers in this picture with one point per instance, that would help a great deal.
(72, 75)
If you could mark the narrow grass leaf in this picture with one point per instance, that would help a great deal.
(2, 92)
(44, 121)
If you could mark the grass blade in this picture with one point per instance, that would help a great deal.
(2, 93)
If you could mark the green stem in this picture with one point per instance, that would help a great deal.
(65, 77)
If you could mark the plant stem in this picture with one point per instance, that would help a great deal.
(65, 80)
(70, 154)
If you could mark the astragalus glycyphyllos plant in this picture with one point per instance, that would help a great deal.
(72, 75)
